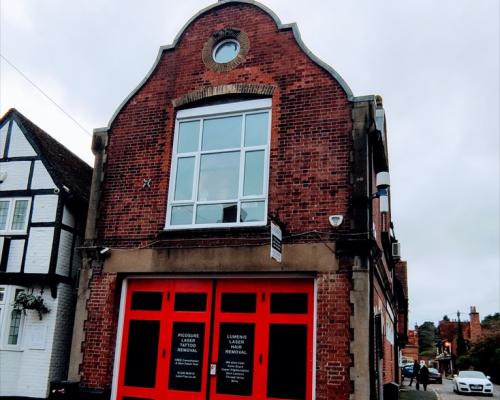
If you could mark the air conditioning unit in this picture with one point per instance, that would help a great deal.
(396, 250)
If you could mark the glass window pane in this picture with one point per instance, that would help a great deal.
(235, 362)
(190, 302)
(142, 353)
(226, 51)
(188, 136)
(256, 127)
(4, 211)
(146, 301)
(238, 302)
(287, 365)
(252, 211)
(20, 212)
(219, 176)
(221, 133)
(15, 324)
(254, 173)
(289, 303)
(181, 215)
(184, 178)
(216, 213)
(186, 359)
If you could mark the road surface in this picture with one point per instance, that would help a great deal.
(445, 392)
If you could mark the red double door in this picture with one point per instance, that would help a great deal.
(217, 339)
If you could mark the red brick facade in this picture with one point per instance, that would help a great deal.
(310, 139)
(310, 178)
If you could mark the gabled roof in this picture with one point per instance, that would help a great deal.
(65, 168)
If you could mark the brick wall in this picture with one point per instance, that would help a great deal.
(309, 177)
(310, 138)
(333, 336)
(100, 332)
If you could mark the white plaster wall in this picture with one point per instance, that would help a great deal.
(3, 137)
(62, 339)
(77, 259)
(64, 253)
(15, 256)
(68, 218)
(19, 145)
(41, 177)
(45, 208)
(31, 366)
(39, 249)
(17, 175)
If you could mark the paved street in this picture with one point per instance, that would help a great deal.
(440, 392)
(445, 392)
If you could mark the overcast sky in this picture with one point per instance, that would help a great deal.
(436, 64)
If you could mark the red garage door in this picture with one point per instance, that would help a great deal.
(217, 339)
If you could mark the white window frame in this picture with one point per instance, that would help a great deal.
(201, 113)
(6, 309)
(10, 216)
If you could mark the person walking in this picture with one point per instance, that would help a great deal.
(423, 377)
(416, 369)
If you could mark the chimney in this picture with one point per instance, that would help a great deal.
(475, 324)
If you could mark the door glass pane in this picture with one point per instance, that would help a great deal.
(289, 303)
(238, 302)
(4, 211)
(221, 133)
(146, 301)
(20, 213)
(187, 356)
(188, 136)
(256, 127)
(216, 213)
(287, 366)
(254, 173)
(190, 302)
(142, 353)
(235, 362)
(181, 215)
(184, 178)
(252, 211)
(219, 176)
(15, 325)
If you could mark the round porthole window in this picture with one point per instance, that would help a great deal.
(226, 51)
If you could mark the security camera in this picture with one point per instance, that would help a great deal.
(104, 251)
(335, 220)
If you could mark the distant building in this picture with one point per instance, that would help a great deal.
(448, 334)
(448, 331)
(43, 203)
(411, 352)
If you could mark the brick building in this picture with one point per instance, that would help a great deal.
(238, 131)
(43, 202)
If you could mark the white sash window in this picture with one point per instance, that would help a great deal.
(220, 166)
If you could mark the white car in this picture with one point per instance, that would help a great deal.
(472, 382)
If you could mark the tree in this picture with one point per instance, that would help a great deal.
(491, 318)
(427, 338)
(446, 318)
(485, 355)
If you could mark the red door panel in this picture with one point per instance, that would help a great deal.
(257, 333)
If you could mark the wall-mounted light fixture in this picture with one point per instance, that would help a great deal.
(383, 182)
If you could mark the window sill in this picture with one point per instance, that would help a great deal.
(262, 228)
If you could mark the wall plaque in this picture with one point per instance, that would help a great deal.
(186, 356)
(235, 363)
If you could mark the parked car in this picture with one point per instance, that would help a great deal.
(435, 376)
(408, 371)
(472, 382)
